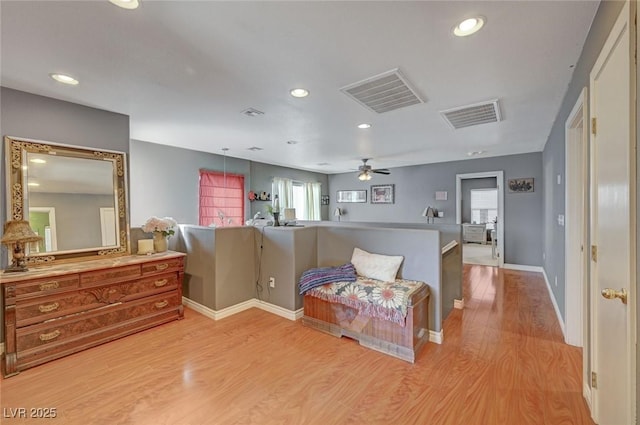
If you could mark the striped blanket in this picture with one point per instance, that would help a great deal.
(317, 277)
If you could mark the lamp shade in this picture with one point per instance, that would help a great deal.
(337, 212)
(18, 231)
(429, 212)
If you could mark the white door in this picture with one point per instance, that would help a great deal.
(613, 226)
(108, 226)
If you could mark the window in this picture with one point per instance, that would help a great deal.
(304, 197)
(484, 206)
(221, 199)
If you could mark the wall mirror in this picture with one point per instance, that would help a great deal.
(75, 198)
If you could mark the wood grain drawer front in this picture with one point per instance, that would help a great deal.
(114, 274)
(34, 338)
(46, 286)
(163, 266)
(153, 285)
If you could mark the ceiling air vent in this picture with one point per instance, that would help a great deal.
(254, 149)
(384, 92)
(466, 116)
(252, 112)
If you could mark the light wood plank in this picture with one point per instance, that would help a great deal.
(502, 362)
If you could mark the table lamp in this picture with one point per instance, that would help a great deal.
(338, 213)
(16, 234)
(430, 213)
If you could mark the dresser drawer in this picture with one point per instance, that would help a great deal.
(162, 266)
(32, 311)
(113, 274)
(46, 286)
(32, 339)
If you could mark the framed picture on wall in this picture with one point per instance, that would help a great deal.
(522, 185)
(383, 194)
(351, 196)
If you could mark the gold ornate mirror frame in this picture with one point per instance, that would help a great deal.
(17, 151)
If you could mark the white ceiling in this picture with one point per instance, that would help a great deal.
(183, 72)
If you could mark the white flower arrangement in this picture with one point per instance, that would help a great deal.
(161, 225)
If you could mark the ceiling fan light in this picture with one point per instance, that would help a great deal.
(364, 176)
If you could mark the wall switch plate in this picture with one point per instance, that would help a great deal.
(559, 178)
(556, 280)
(561, 219)
(272, 282)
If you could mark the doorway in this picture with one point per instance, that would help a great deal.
(483, 229)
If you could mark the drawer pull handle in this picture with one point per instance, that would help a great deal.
(161, 282)
(161, 266)
(162, 304)
(48, 308)
(49, 285)
(50, 335)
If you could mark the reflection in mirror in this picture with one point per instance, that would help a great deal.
(73, 197)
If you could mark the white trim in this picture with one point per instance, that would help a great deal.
(499, 175)
(576, 212)
(586, 393)
(245, 305)
(524, 268)
(277, 310)
(437, 337)
(459, 304)
(555, 304)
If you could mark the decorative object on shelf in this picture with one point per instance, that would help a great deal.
(324, 200)
(276, 210)
(264, 196)
(16, 234)
(145, 246)
(383, 194)
(252, 195)
(345, 196)
(162, 229)
(338, 213)
(522, 185)
(430, 213)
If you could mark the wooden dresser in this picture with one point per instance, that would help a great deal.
(61, 309)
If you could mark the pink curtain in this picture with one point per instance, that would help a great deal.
(221, 199)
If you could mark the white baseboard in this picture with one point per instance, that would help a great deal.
(459, 304)
(555, 305)
(437, 337)
(523, 268)
(586, 393)
(245, 305)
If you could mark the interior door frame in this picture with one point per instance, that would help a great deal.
(629, 12)
(499, 175)
(52, 224)
(577, 214)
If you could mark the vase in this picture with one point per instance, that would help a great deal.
(159, 242)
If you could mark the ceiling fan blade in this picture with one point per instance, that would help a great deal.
(382, 171)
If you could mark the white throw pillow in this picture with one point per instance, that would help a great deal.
(376, 266)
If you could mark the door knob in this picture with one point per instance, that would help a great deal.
(610, 294)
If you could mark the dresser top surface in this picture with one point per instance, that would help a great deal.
(85, 266)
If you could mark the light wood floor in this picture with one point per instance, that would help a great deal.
(503, 362)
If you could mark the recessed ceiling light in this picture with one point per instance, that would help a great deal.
(364, 125)
(474, 153)
(62, 78)
(300, 92)
(469, 26)
(126, 4)
(33, 184)
(38, 161)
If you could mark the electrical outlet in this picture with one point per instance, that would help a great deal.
(556, 280)
(272, 282)
(544, 256)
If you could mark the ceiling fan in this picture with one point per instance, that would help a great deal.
(365, 170)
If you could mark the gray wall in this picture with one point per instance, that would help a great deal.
(416, 186)
(553, 156)
(263, 174)
(31, 116)
(77, 217)
(165, 180)
(466, 187)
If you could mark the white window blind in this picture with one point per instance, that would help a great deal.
(484, 206)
